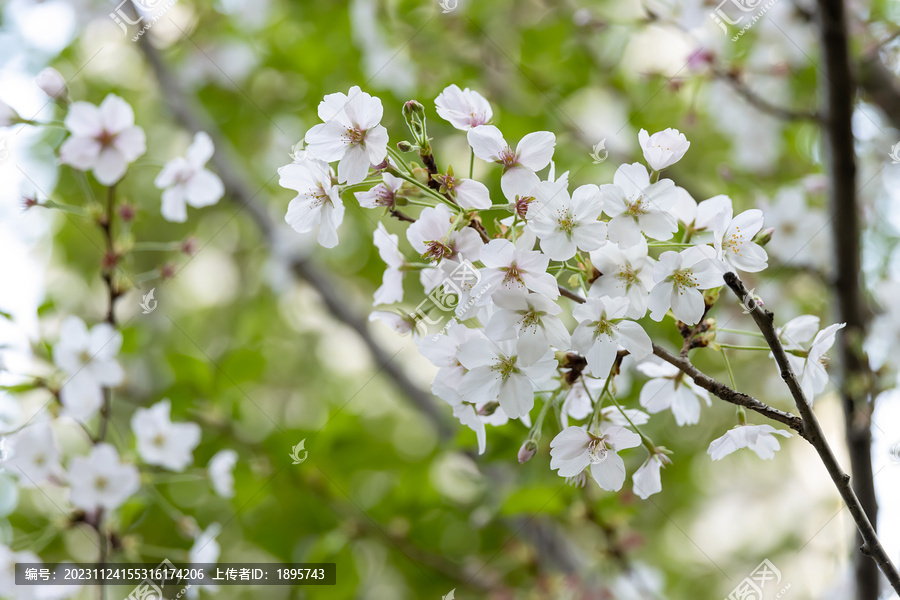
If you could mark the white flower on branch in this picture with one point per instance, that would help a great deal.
(221, 472)
(663, 148)
(383, 195)
(734, 240)
(624, 273)
(669, 388)
(464, 109)
(567, 224)
(104, 139)
(498, 372)
(391, 289)
(318, 203)
(435, 239)
(89, 359)
(647, 479)
(680, 279)
(161, 442)
(602, 328)
(33, 456)
(807, 348)
(517, 267)
(532, 153)
(351, 133)
(184, 180)
(638, 206)
(759, 438)
(574, 449)
(101, 480)
(530, 318)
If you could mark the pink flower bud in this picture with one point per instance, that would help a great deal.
(528, 450)
(52, 83)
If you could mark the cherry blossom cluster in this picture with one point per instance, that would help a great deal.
(552, 301)
(105, 141)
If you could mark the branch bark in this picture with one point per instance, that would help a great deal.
(715, 387)
(812, 432)
(760, 103)
(855, 378)
(194, 119)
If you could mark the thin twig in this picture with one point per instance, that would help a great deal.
(812, 432)
(715, 387)
(734, 81)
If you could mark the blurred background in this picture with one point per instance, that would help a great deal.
(261, 336)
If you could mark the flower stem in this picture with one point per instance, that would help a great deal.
(735, 347)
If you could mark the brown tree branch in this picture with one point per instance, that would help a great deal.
(812, 432)
(855, 376)
(734, 81)
(717, 388)
(194, 119)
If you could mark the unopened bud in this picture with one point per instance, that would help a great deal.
(413, 108)
(764, 237)
(528, 450)
(127, 212)
(110, 260)
(189, 246)
(167, 271)
(404, 146)
(8, 116)
(52, 83)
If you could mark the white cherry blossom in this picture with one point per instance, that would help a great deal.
(464, 109)
(32, 455)
(401, 324)
(101, 480)
(663, 148)
(638, 206)
(670, 388)
(680, 279)
(318, 204)
(221, 472)
(759, 438)
(388, 245)
(734, 240)
(699, 216)
(566, 224)
(498, 372)
(432, 237)
(626, 273)
(602, 328)
(647, 480)
(89, 359)
(161, 442)
(532, 153)
(574, 449)
(382, 195)
(51, 83)
(184, 180)
(351, 133)
(530, 318)
(801, 336)
(468, 193)
(104, 139)
(517, 267)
